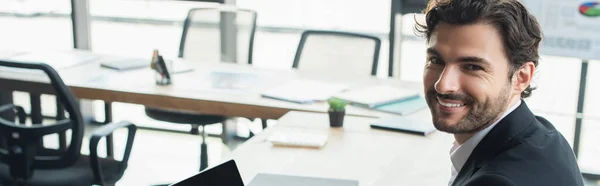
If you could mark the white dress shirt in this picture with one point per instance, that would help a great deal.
(459, 153)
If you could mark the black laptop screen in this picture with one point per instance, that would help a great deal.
(224, 174)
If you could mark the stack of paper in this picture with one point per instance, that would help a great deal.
(404, 107)
(304, 91)
(374, 96)
(298, 139)
(6, 54)
(122, 64)
(57, 60)
(232, 80)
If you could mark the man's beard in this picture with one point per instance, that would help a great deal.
(479, 115)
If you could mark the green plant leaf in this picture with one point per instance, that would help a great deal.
(336, 104)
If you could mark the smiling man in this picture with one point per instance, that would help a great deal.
(481, 57)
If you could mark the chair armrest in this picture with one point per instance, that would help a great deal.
(20, 111)
(103, 132)
(36, 130)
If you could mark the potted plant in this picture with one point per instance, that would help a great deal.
(337, 110)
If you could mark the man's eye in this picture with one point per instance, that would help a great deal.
(473, 67)
(435, 60)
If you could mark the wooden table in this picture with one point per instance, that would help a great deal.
(190, 91)
(373, 157)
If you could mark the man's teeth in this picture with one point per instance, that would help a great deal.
(450, 104)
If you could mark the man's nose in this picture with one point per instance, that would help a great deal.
(448, 81)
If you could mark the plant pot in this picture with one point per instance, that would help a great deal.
(336, 118)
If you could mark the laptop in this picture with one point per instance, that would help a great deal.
(228, 174)
(224, 174)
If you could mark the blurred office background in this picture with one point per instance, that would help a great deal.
(136, 27)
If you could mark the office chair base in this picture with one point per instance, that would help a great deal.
(203, 157)
(195, 130)
(264, 123)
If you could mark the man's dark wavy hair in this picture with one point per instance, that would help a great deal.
(519, 29)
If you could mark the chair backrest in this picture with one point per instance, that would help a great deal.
(339, 52)
(206, 29)
(23, 141)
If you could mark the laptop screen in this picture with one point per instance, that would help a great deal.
(223, 174)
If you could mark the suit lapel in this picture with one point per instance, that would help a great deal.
(492, 144)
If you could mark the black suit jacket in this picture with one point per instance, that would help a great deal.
(522, 149)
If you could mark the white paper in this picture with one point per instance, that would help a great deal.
(305, 91)
(57, 60)
(376, 95)
(298, 139)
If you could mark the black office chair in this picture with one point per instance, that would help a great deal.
(202, 29)
(24, 161)
(328, 51)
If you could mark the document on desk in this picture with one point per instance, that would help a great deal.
(403, 107)
(304, 91)
(298, 139)
(374, 96)
(385, 98)
(57, 59)
(7, 54)
(402, 124)
(129, 63)
(231, 80)
(125, 63)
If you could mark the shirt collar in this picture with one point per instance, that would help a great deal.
(459, 153)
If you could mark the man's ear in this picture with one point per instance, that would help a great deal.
(523, 76)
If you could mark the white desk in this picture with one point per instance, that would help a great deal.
(91, 81)
(357, 152)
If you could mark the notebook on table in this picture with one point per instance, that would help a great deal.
(385, 98)
(6, 54)
(298, 139)
(124, 64)
(232, 80)
(374, 96)
(402, 124)
(304, 91)
(58, 59)
(403, 107)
